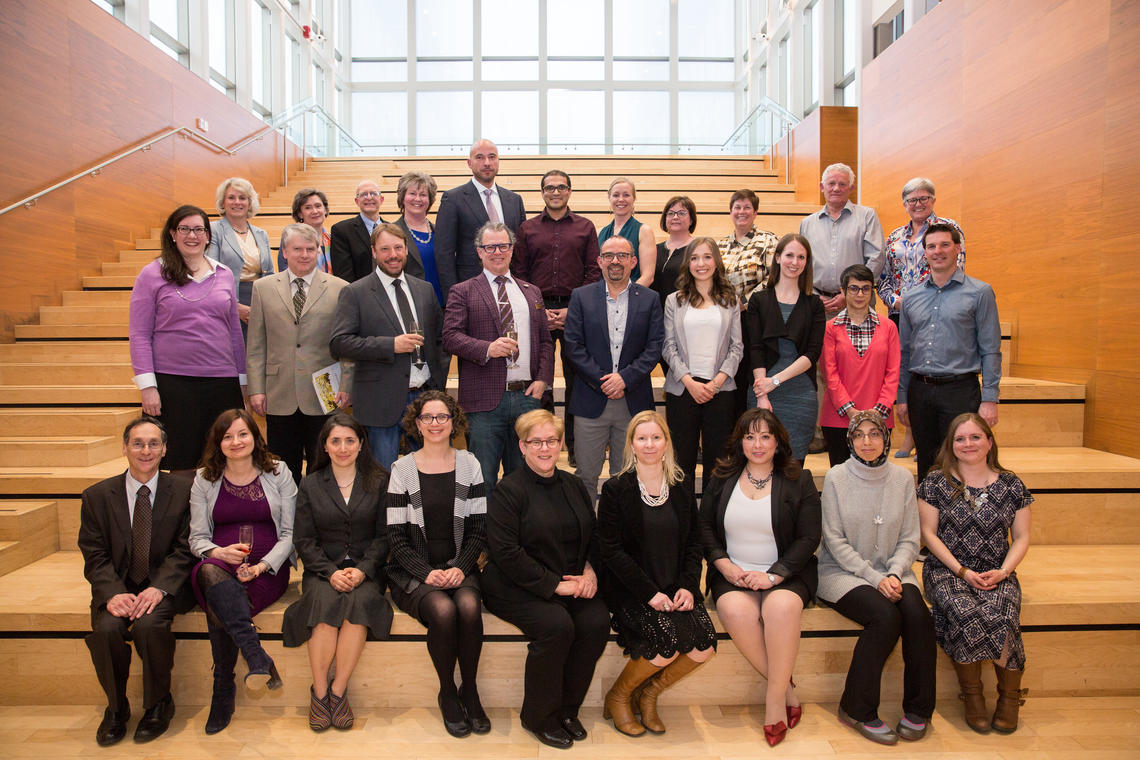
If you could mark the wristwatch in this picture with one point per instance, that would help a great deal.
(775, 382)
(772, 579)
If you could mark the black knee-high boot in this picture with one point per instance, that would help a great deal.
(231, 606)
(225, 653)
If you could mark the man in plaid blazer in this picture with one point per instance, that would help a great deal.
(500, 377)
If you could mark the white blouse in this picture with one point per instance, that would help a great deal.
(748, 531)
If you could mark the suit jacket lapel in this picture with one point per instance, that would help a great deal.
(328, 481)
(777, 509)
(382, 299)
(285, 291)
(161, 502)
(361, 230)
(475, 201)
(120, 510)
(319, 288)
(490, 298)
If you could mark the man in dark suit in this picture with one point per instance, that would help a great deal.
(290, 326)
(464, 209)
(500, 377)
(614, 333)
(134, 535)
(350, 240)
(390, 324)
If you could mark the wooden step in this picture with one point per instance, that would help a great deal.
(71, 332)
(96, 297)
(65, 373)
(115, 314)
(136, 257)
(36, 422)
(80, 450)
(103, 282)
(56, 351)
(29, 531)
(345, 181)
(69, 395)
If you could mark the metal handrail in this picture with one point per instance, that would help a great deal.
(766, 104)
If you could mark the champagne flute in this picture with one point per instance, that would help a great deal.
(512, 334)
(418, 354)
(245, 538)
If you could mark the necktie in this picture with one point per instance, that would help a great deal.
(299, 297)
(506, 314)
(140, 537)
(492, 212)
(407, 317)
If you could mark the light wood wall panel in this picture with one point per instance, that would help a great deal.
(828, 135)
(80, 87)
(1026, 115)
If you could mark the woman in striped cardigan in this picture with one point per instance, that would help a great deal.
(436, 530)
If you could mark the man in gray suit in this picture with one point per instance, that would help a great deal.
(290, 325)
(464, 209)
(390, 323)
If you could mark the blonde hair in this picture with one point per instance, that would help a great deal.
(535, 417)
(622, 181)
(242, 186)
(673, 474)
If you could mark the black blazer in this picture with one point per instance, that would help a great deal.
(525, 552)
(415, 264)
(461, 214)
(105, 539)
(325, 528)
(350, 249)
(797, 523)
(766, 327)
(621, 541)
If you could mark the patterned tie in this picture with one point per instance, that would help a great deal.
(492, 212)
(299, 297)
(140, 537)
(407, 318)
(506, 314)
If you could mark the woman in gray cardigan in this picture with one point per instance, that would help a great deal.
(870, 541)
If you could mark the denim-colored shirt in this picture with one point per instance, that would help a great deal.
(951, 330)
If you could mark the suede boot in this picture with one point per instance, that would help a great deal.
(231, 606)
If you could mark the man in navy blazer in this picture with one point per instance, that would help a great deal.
(614, 333)
(464, 209)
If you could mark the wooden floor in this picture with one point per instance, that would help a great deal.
(1088, 728)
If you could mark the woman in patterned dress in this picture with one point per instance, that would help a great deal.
(968, 505)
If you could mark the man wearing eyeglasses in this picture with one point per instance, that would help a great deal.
(390, 324)
(614, 332)
(496, 324)
(557, 251)
(351, 239)
(465, 209)
(134, 535)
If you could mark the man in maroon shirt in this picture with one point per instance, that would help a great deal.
(557, 251)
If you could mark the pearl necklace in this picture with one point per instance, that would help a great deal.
(418, 239)
(653, 501)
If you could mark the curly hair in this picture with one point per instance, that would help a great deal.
(734, 460)
(213, 462)
(416, 408)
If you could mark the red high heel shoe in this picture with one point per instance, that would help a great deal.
(795, 712)
(775, 733)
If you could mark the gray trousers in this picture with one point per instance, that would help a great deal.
(591, 437)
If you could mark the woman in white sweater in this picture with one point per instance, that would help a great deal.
(870, 541)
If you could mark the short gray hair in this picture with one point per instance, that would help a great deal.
(291, 231)
(493, 227)
(838, 168)
(918, 183)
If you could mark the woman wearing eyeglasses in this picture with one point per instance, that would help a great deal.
(543, 545)
(860, 363)
(679, 219)
(187, 351)
(436, 529)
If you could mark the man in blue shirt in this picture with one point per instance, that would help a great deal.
(948, 333)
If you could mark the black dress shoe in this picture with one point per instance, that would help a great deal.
(450, 708)
(553, 737)
(113, 727)
(476, 716)
(574, 727)
(155, 720)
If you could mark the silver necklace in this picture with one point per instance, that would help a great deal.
(653, 501)
(759, 484)
(418, 239)
(213, 281)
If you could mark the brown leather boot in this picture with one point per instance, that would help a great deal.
(617, 698)
(1009, 699)
(669, 675)
(970, 681)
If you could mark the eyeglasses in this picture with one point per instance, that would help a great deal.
(437, 419)
(187, 231)
(859, 290)
(144, 445)
(921, 200)
(677, 214)
(620, 256)
(368, 194)
(874, 435)
(555, 188)
(500, 247)
(543, 443)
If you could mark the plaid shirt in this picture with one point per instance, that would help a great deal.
(860, 337)
(905, 265)
(747, 264)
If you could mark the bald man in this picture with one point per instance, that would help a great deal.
(464, 209)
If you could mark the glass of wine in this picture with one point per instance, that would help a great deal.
(513, 334)
(418, 354)
(245, 538)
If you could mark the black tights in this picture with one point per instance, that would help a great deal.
(455, 633)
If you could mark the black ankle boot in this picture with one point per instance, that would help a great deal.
(225, 653)
(231, 606)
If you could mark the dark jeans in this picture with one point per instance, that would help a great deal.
(293, 437)
(491, 435)
(385, 441)
(709, 424)
(932, 408)
(883, 621)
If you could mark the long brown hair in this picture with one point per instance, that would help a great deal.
(213, 462)
(947, 463)
(174, 267)
(722, 291)
(734, 459)
(371, 472)
(805, 281)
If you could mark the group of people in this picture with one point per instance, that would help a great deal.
(750, 331)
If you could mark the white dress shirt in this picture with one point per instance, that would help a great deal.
(418, 376)
(521, 311)
(494, 197)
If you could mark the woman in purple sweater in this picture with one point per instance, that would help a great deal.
(187, 352)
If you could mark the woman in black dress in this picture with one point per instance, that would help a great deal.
(437, 510)
(649, 534)
(342, 602)
(678, 219)
(542, 541)
(761, 525)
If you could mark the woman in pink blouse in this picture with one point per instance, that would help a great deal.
(860, 362)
